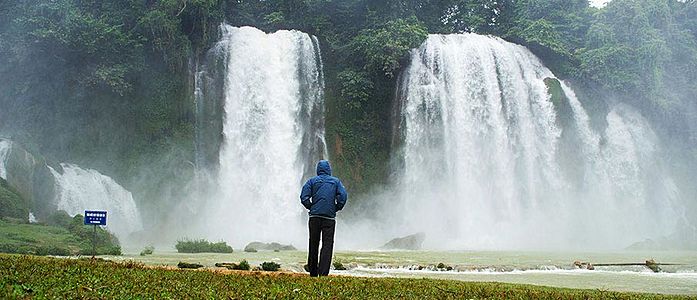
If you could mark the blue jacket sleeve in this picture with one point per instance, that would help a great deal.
(341, 196)
(306, 194)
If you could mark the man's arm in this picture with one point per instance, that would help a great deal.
(305, 194)
(341, 196)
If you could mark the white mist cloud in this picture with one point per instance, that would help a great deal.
(599, 3)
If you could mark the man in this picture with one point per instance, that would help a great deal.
(323, 195)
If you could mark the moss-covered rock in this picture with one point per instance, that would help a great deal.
(29, 175)
(11, 203)
(270, 266)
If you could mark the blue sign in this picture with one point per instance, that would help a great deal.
(95, 217)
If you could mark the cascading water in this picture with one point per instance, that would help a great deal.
(80, 189)
(5, 146)
(273, 133)
(480, 148)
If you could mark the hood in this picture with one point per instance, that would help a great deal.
(323, 168)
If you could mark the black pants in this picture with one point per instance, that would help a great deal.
(325, 228)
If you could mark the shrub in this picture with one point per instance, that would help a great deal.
(202, 246)
(147, 251)
(52, 250)
(59, 218)
(244, 265)
(270, 266)
(339, 266)
(107, 243)
(11, 204)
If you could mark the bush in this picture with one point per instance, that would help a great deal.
(339, 266)
(59, 218)
(244, 265)
(270, 266)
(52, 250)
(107, 243)
(11, 204)
(202, 246)
(147, 251)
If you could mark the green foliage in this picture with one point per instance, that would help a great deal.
(59, 218)
(105, 242)
(11, 204)
(38, 277)
(386, 45)
(38, 239)
(202, 246)
(147, 251)
(270, 266)
(243, 265)
(338, 266)
(356, 88)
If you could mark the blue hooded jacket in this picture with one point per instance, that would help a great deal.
(323, 194)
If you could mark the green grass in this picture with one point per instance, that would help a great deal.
(55, 278)
(37, 239)
(42, 239)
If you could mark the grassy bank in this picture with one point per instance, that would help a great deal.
(41, 277)
(65, 236)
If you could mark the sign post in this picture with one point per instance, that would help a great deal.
(95, 218)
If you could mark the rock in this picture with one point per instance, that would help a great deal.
(185, 265)
(650, 245)
(409, 242)
(29, 175)
(254, 246)
(229, 266)
(338, 266)
(651, 264)
(583, 265)
(270, 266)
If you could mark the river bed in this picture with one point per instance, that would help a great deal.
(539, 268)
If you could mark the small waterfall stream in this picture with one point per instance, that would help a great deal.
(80, 189)
(5, 146)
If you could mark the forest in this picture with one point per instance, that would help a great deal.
(109, 84)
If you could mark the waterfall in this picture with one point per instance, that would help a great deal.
(273, 133)
(80, 189)
(480, 156)
(5, 146)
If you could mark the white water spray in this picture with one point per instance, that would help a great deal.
(480, 157)
(273, 132)
(80, 189)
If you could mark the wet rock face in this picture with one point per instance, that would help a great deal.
(29, 175)
(254, 246)
(409, 242)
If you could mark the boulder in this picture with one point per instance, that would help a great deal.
(254, 246)
(186, 265)
(409, 242)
